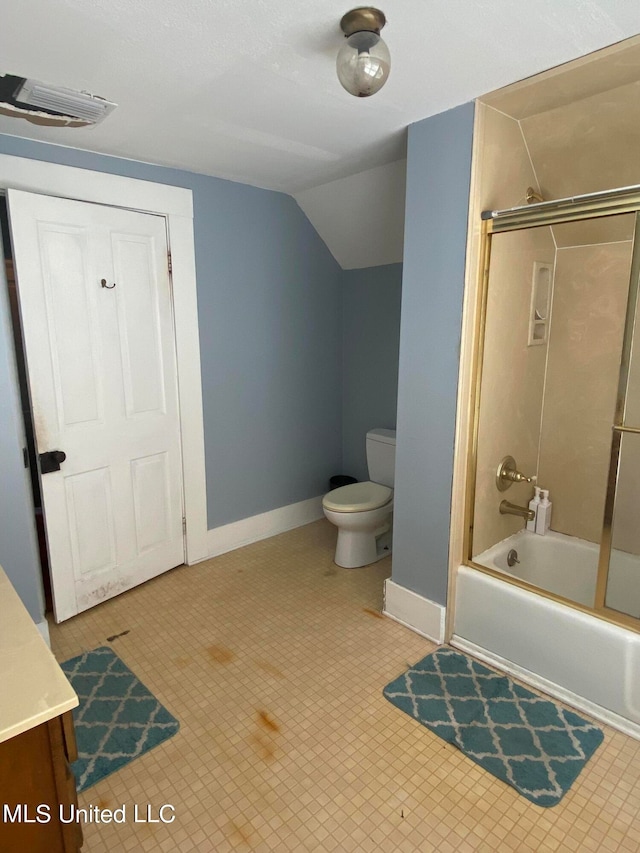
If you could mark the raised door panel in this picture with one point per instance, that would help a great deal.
(91, 522)
(139, 322)
(66, 267)
(151, 494)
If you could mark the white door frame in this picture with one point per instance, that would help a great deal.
(176, 204)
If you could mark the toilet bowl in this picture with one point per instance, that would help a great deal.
(363, 512)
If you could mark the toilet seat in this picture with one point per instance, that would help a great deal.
(357, 497)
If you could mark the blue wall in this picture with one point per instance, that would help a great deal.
(269, 305)
(370, 340)
(269, 297)
(18, 545)
(436, 211)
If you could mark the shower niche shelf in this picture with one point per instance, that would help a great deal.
(540, 301)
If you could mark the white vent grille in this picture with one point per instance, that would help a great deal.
(89, 107)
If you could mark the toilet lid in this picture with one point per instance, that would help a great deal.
(357, 497)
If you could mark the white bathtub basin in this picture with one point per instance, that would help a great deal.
(568, 566)
(588, 662)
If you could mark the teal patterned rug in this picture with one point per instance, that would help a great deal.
(531, 743)
(117, 720)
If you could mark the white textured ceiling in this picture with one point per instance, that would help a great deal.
(248, 91)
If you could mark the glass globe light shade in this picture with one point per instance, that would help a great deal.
(363, 64)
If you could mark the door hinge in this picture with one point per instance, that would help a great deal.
(184, 525)
(169, 263)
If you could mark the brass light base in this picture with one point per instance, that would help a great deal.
(362, 19)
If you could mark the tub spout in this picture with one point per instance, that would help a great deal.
(507, 508)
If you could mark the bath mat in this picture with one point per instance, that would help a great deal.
(531, 743)
(117, 720)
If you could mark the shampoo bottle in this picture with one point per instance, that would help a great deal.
(543, 516)
(533, 504)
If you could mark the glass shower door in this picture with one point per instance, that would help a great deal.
(618, 585)
(622, 592)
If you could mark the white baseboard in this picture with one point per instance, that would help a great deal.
(43, 627)
(228, 537)
(423, 616)
(604, 715)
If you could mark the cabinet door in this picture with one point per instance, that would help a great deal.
(35, 781)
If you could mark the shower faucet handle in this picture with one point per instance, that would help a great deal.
(508, 473)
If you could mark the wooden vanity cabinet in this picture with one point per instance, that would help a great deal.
(37, 740)
(35, 772)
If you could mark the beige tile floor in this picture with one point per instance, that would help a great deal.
(274, 660)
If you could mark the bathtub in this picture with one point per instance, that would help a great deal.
(580, 659)
(568, 567)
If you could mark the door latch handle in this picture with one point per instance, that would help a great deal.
(51, 461)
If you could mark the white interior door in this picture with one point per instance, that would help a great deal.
(95, 300)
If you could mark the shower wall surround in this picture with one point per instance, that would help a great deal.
(590, 297)
(511, 408)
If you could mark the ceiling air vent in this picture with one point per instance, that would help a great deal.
(42, 103)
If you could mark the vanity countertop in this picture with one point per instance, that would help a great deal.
(33, 688)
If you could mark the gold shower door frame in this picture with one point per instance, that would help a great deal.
(591, 206)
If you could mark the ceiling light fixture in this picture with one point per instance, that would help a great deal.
(363, 62)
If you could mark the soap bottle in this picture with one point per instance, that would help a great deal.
(543, 516)
(533, 504)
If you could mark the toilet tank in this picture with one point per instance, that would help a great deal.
(381, 456)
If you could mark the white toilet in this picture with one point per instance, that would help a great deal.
(362, 512)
